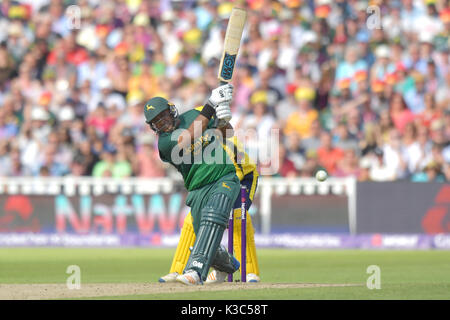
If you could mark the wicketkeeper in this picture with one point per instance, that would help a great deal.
(212, 182)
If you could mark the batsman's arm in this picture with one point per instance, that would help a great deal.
(193, 132)
(227, 131)
(220, 95)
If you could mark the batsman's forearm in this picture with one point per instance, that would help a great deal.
(201, 122)
(192, 133)
(227, 131)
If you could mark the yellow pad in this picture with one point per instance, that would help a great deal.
(252, 261)
(187, 239)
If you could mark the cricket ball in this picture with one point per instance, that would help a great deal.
(321, 175)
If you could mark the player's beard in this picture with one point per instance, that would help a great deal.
(169, 127)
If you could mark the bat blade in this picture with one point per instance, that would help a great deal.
(232, 43)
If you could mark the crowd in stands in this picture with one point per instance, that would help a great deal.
(359, 88)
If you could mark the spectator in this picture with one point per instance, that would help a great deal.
(386, 125)
(260, 120)
(93, 70)
(364, 169)
(86, 157)
(101, 121)
(351, 65)
(104, 167)
(49, 164)
(446, 172)
(113, 102)
(442, 93)
(288, 105)
(327, 73)
(430, 113)
(7, 65)
(431, 173)
(372, 138)
(148, 165)
(132, 118)
(382, 66)
(5, 158)
(433, 79)
(300, 121)
(379, 168)
(378, 101)
(40, 124)
(446, 151)
(80, 108)
(17, 169)
(313, 141)
(287, 167)
(392, 155)
(328, 155)
(294, 151)
(437, 133)
(342, 138)
(311, 166)
(415, 97)
(122, 168)
(399, 112)
(348, 165)
(8, 128)
(333, 113)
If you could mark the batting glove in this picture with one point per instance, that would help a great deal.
(221, 95)
(223, 112)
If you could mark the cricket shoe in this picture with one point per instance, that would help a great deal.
(190, 278)
(216, 276)
(171, 277)
(251, 277)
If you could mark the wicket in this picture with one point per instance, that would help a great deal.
(243, 237)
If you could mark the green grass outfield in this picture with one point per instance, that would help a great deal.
(404, 274)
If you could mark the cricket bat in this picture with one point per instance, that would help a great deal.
(231, 45)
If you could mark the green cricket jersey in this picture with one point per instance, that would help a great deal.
(203, 162)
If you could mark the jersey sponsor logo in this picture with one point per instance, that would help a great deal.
(225, 185)
(196, 147)
(150, 107)
(197, 264)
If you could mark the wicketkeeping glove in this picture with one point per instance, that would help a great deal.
(221, 95)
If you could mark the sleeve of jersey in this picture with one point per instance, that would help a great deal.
(165, 146)
(211, 122)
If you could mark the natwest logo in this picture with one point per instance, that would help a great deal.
(120, 214)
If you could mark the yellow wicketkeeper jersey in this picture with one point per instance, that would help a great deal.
(241, 160)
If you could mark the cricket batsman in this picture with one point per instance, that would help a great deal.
(248, 175)
(212, 182)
